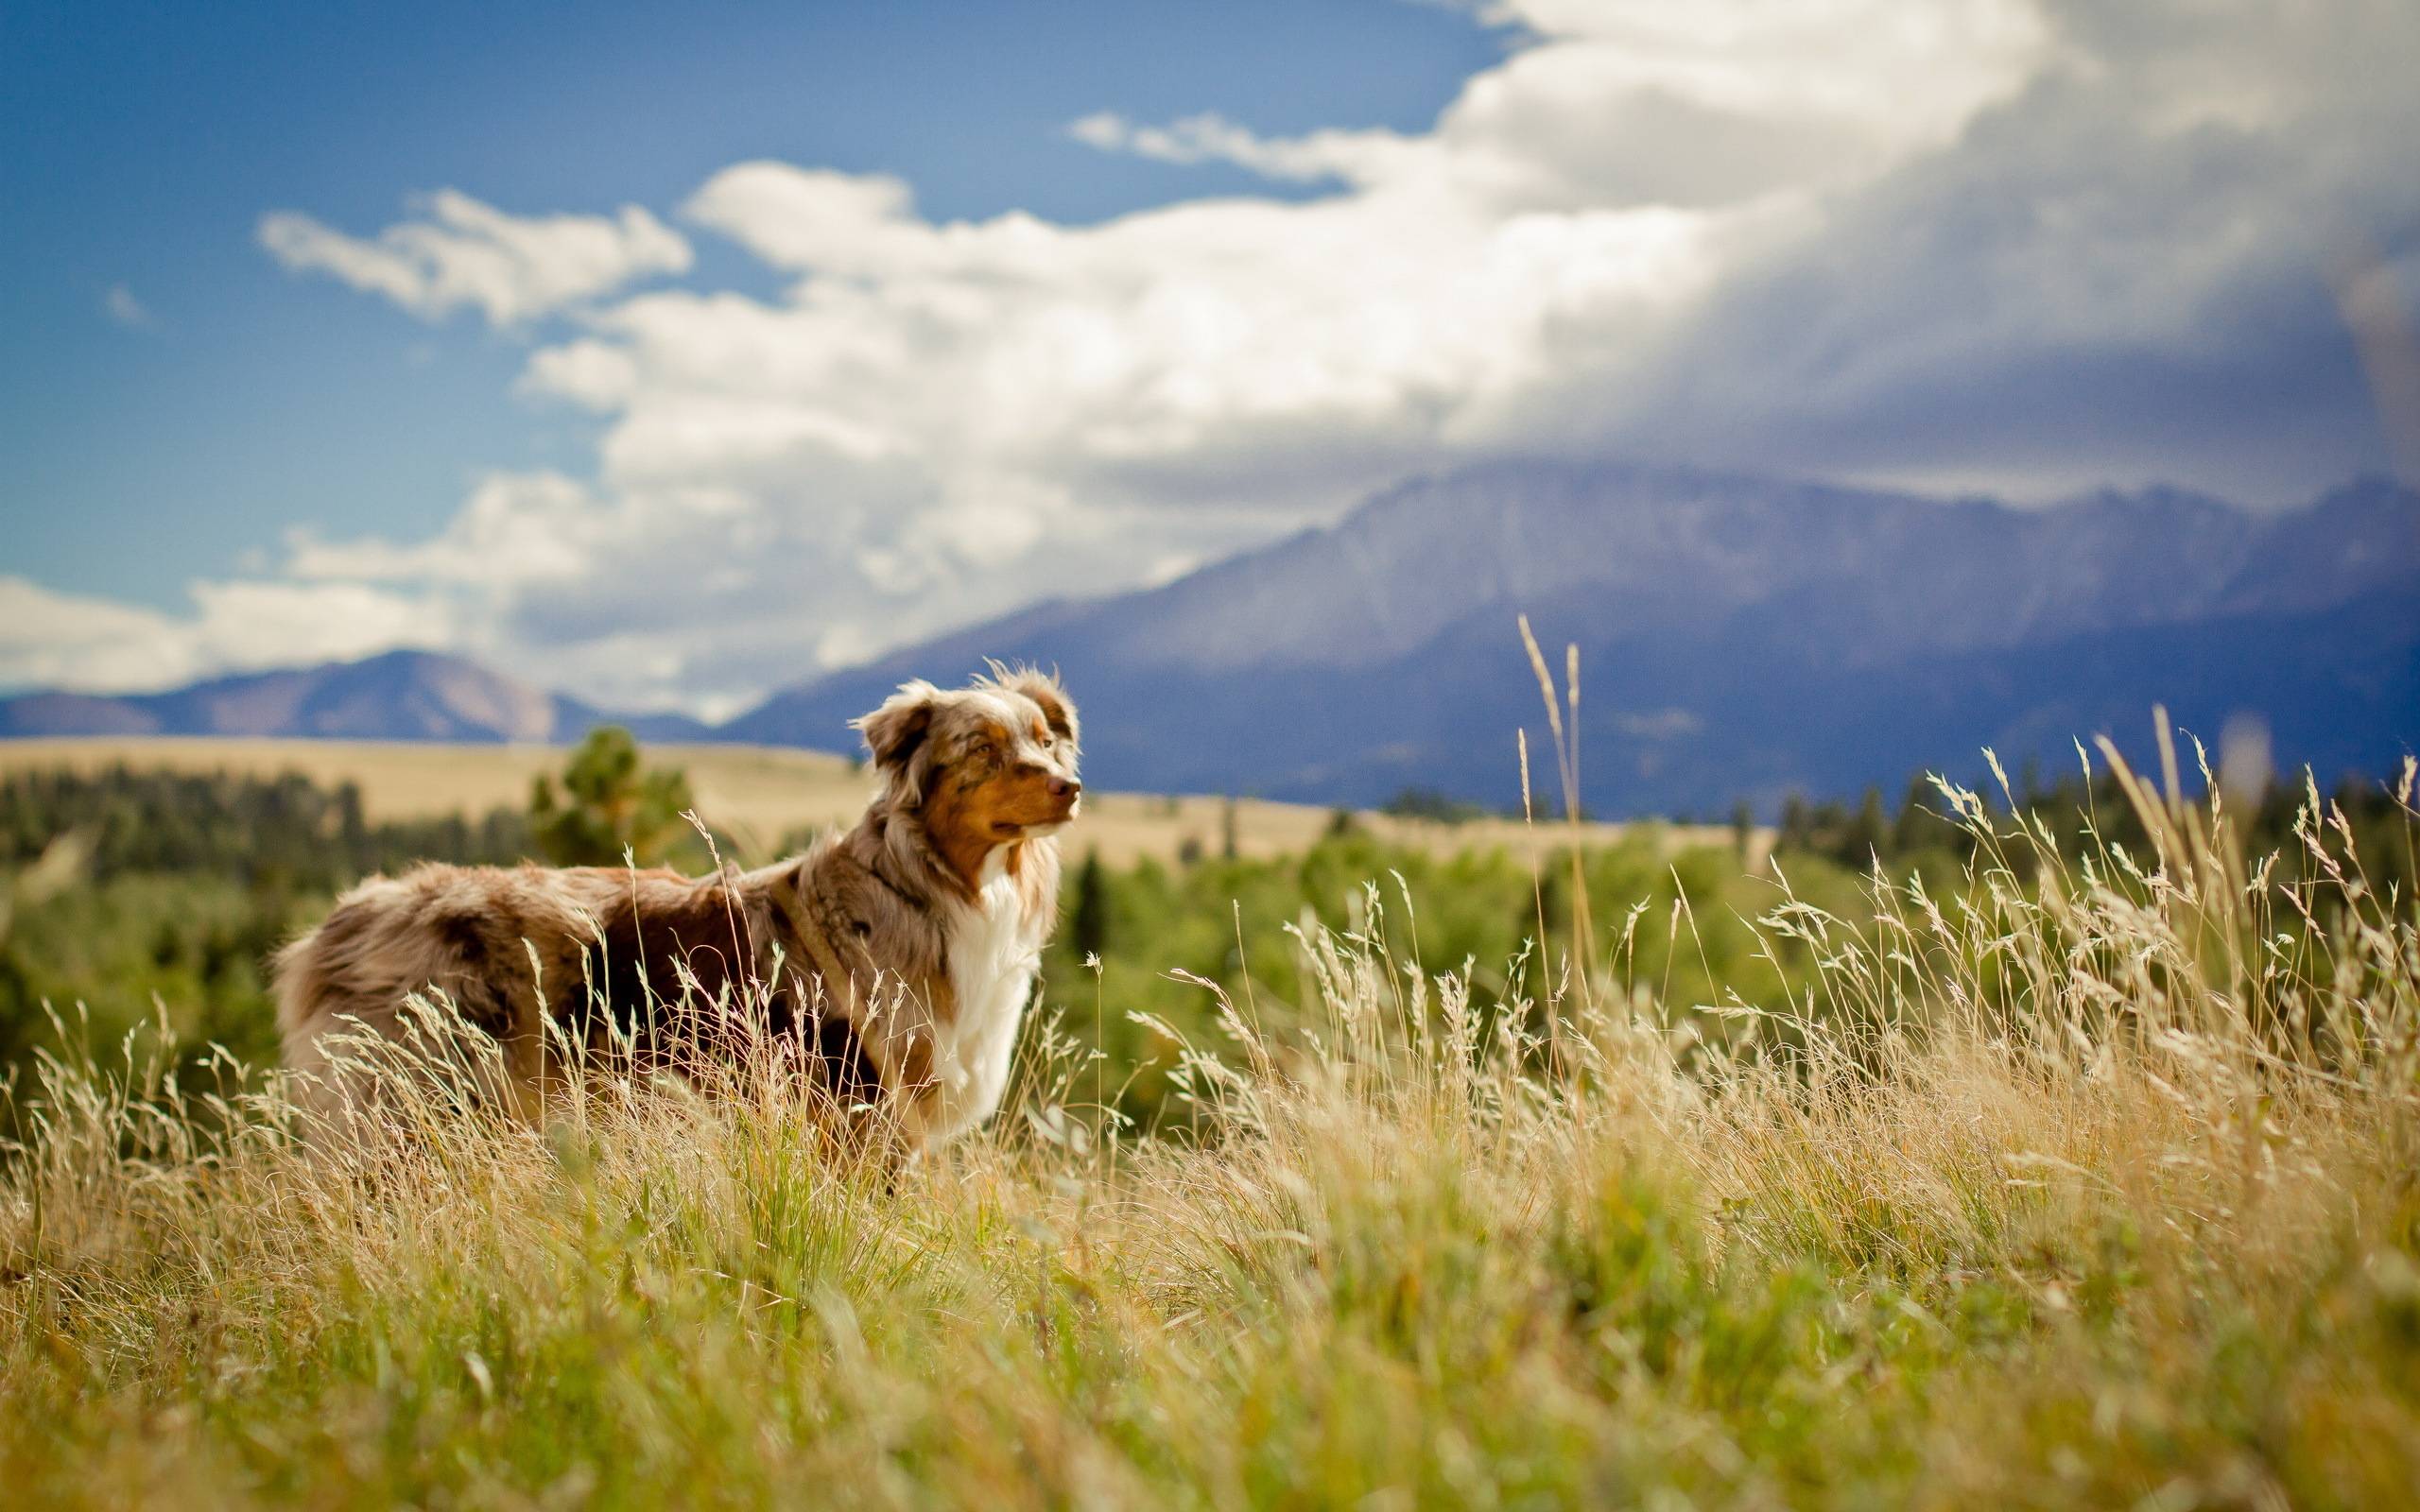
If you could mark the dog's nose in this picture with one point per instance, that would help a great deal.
(1065, 788)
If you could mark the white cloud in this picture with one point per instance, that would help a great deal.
(274, 623)
(842, 224)
(49, 638)
(1627, 102)
(120, 305)
(1359, 156)
(465, 254)
(1838, 235)
(2118, 274)
(516, 529)
(940, 419)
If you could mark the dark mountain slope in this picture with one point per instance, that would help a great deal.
(1740, 638)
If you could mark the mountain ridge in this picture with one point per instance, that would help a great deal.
(1695, 595)
(401, 695)
(1740, 637)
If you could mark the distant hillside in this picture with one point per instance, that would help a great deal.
(1740, 637)
(399, 696)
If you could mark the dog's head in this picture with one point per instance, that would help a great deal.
(984, 766)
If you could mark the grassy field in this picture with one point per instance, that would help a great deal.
(2095, 1191)
(759, 795)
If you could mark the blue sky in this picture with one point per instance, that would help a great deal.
(670, 356)
(147, 140)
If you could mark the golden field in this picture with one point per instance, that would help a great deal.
(2092, 1190)
(759, 794)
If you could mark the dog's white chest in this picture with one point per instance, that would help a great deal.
(993, 958)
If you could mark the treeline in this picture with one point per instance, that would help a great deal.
(168, 891)
(2081, 816)
(1137, 942)
(282, 830)
(126, 893)
(188, 883)
(184, 885)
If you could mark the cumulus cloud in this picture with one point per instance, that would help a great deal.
(465, 254)
(1636, 102)
(1965, 240)
(2119, 273)
(1356, 156)
(49, 638)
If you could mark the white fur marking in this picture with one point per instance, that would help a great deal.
(992, 957)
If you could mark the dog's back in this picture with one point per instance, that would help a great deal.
(506, 947)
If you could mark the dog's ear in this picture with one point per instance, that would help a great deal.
(896, 733)
(1044, 688)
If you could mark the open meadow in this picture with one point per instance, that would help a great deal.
(1956, 1048)
(761, 796)
(2045, 1171)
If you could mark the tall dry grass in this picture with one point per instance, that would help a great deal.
(2086, 1184)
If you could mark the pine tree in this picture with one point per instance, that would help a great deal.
(1088, 932)
(1797, 824)
(1870, 832)
(1917, 824)
(609, 807)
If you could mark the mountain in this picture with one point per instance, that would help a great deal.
(399, 696)
(1740, 637)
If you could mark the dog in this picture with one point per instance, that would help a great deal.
(892, 962)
